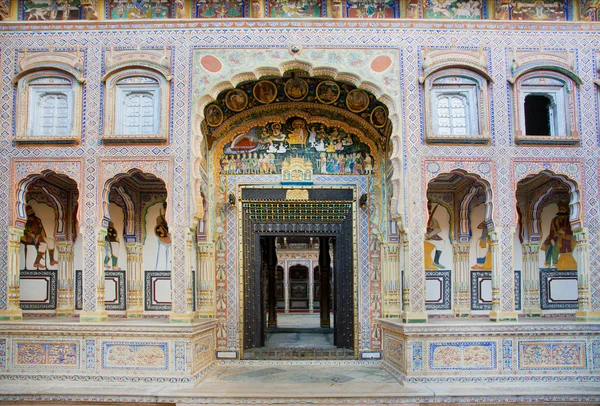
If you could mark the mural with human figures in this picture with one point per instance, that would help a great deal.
(294, 8)
(41, 10)
(466, 9)
(219, 8)
(265, 150)
(134, 9)
(532, 10)
(372, 9)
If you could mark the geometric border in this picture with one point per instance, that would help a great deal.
(149, 291)
(78, 289)
(51, 305)
(121, 303)
(545, 275)
(476, 276)
(446, 303)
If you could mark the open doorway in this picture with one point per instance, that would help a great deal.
(297, 321)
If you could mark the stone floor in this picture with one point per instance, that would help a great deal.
(283, 383)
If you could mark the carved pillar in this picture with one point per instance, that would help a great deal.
(500, 312)
(66, 266)
(582, 257)
(13, 311)
(271, 262)
(413, 295)
(461, 289)
(181, 238)
(392, 281)
(135, 280)
(205, 269)
(325, 270)
(531, 280)
(286, 287)
(311, 287)
(100, 313)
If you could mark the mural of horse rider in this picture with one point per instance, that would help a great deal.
(34, 234)
(161, 230)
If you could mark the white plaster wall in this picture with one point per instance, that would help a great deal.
(151, 246)
(47, 215)
(117, 215)
(548, 214)
(517, 252)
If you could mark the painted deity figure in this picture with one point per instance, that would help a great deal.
(161, 230)
(484, 259)
(434, 244)
(558, 245)
(111, 247)
(34, 234)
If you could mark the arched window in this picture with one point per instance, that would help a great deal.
(46, 102)
(545, 109)
(456, 107)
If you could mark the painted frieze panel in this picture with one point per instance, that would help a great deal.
(43, 10)
(394, 350)
(372, 8)
(468, 9)
(295, 8)
(533, 10)
(552, 355)
(137, 9)
(135, 355)
(280, 147)
(462, 355)
(32, 353)
(590, 10)
(220, 9)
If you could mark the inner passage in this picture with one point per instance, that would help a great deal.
(298, 322)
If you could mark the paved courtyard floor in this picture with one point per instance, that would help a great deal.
(286, 383)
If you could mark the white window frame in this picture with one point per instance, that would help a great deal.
(125, 90)
(558, 108)
(469, 92)
(36, 92)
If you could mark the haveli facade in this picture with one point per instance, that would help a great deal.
(449, 148)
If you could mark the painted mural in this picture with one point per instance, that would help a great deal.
(372, 9)
(51, 10)
(136, 9)
(532, 10)
(219, 8)
(294, 8)
(558, 244)
(435, 243)
(268, 149)
(469, 9)
(36, 238)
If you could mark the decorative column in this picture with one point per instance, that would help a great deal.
(13, 311)
(100, 313)
(286, 287)
(181, 311)
(461, 288)
(135, 280)
(413, 295)
(582, 257)
(531, 280)
(66, 266)
(499, 308)
(311, 287)
(205, 269)
(392, 281)
(325, 270)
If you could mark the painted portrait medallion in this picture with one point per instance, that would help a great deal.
(296, 89)
(378, 117)
(236, 100)
(357, 101)
(328, 92)
(214, 115)
(265, 91)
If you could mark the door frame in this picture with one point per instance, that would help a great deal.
(353, 201)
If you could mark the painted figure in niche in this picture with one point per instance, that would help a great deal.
(371, 9)
(161, 230)
(52, 10)
(34, 234)
(294, 8)
(559, 244)
(357, 101)
(296, 89)
(136, 9)
(327, 92)
(484, 259)
(214, 115)
(453, 9)
(179, 6)
(265, 91)
(434, 244)
(236, 100)
(111, 247)
(298, 135)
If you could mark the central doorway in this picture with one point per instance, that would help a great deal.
(267, 224)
